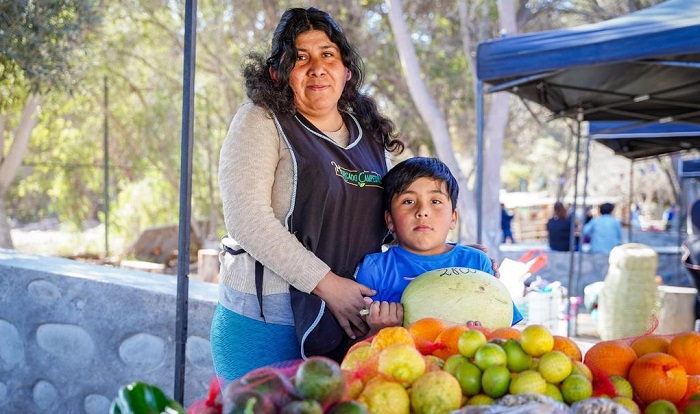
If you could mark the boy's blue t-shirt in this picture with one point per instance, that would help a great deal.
(391, 271)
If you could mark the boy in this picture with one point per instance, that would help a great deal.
(420, 202)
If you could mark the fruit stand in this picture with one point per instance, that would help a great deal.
(436, 367)
(445, 364)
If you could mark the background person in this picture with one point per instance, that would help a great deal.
(420, 201)
(559, 228)
(604, 231)
(506, 218)
(299, 170)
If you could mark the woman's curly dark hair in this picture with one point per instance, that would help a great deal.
(278, 97)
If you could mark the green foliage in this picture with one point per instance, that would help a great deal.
(40, 40)
(144, 203)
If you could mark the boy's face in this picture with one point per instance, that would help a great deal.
(422, 216)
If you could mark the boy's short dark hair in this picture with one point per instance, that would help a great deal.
(606, 208)
(403, 174)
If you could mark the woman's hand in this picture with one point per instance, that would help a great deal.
(494, 263)
(345, 299)
(384, 314)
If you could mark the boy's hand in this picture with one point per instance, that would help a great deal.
(494, 263)
(384, 314)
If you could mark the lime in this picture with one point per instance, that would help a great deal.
(488, 355)
(303, 407)
(469, 341)
(623, 388)
(452, 362)
(552, 391)
(321, 379)
(469, 377)
(661, 407)
(527, 382)
(480, 399)
(348, 407)
(581, 368)
(495, 381)
(536, 340)
(554, 366)
(628, 403)
(518, 360)
(576, 387)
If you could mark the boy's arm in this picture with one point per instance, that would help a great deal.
(382, 315)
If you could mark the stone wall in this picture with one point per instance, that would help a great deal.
(72, 333)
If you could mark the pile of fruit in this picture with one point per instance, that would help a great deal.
(436, 367)
(432, 367)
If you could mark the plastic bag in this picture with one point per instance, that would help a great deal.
(518, 404)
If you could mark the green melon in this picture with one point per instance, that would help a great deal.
(458, 295)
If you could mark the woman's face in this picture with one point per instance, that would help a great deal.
(319, 75)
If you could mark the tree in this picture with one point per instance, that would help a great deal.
(40, 44)
(435, 119)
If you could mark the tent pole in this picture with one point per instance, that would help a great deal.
(570, 325)
(479, 156)
(585, 194)
(184, 232)
(629, 229)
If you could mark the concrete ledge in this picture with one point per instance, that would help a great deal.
(73, 333)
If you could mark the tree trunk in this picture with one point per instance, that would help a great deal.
(10, 164)
(494, 134)
(428, 108)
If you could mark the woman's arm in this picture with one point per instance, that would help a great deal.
(256, 196)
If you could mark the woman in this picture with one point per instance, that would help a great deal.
(299, 177)
(559, 229)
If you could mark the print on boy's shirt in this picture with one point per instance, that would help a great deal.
(358, 178)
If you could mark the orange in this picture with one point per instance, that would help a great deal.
(649, 343)
(611, 358)
(568, 347)
(427, 328)
(424, 331)
(685, 347)
(658, 376)
(392, 335)
(446, 342)
(505, 333)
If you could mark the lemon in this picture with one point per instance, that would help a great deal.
(527, 382)
(555, 366)
(385, 397)
(536, 340)
(401, 362)
(435, 392)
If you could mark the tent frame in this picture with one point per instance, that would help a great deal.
(560, 70)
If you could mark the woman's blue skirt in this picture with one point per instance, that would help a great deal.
(240, 344)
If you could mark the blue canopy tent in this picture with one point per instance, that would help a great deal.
(644, 66)
(634, 141)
